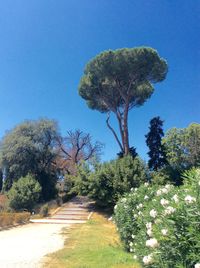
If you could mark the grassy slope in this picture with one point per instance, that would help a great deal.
(92, 245)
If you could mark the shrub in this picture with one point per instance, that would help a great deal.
(3, 202)
(163, 230)
(44, 210)
(24, 193)
(109, 181)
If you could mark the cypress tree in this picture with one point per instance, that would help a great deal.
(157, 158)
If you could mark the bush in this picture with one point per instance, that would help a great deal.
(44, 210)
(24, 193)
(161, 225)
(9, 219)
(109, 181)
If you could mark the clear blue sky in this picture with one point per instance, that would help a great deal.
(45, 44)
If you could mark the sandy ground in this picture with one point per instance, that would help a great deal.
(24, 246)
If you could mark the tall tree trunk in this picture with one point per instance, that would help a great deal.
(125, 129)
(120, 122)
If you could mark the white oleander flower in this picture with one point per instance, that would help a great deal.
(152, 243)
(140, 213)
(146, 197)
(164, 202)
(131, 244)
(149, 225)
(175, 198)
(153, 213)
(169, 210)
(197, 265)
(165, 190)
(168, 186)
(132, 189)
(123, 199)
(189, 199)
(136, 189)
(164, 232)
(115, 207)
(135, 257)
(148, 259)
(146, 184)
(133, 236)
(199, 183)
(131, 250)
(149, 232)
(139, 206)
(159, 192)
(135, 215)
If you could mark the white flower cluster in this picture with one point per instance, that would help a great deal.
(164, 190)
(175, 198)
(189, 199)
(148, 259)
(197, 265)
(164, 202)
(164, 232)
(152, 243)
(146, 184)
(139, 206)
(153, 213)
(146, 197)
(169, 210)
(149, 229)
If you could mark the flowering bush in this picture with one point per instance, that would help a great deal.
(163, 230)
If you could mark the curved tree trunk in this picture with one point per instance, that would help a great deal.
(125, 130)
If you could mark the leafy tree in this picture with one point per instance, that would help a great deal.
(157, 158)
(183, 147)
(75, 148)
(31, 148)
(118, 80)
(109, 181)
(24, 193)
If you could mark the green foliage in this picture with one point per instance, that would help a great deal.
(161, 225)
(161, 176)
(157, 157)
(118, 80)
(109, 181)
(183, 147)
(30, 148)
(44, 210)
(24, 193)
(105, 73)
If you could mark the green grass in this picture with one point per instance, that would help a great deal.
(92, 245)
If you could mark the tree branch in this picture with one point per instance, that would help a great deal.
(114, 133)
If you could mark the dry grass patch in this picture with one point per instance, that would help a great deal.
(94, 244)
(10, 219)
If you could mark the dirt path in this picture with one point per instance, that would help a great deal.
(24, 246)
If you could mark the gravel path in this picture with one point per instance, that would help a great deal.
(24, 246)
